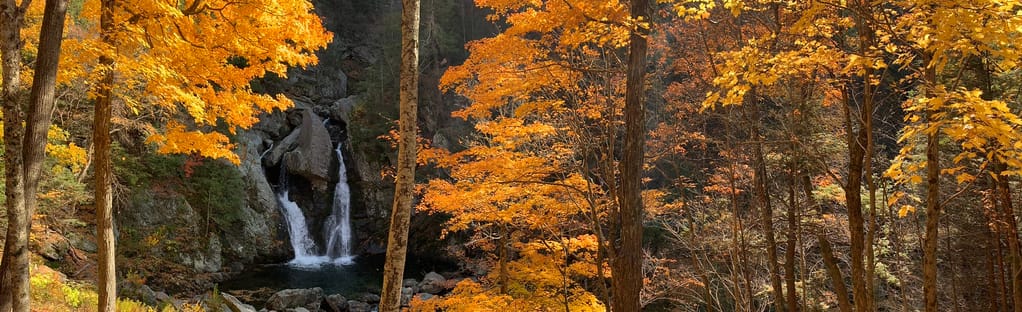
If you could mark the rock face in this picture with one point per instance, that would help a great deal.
(296, 298)
(311, 159)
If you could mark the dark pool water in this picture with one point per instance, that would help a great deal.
(364, 275)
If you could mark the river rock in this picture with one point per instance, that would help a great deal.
(432, 283)
(424, 296)
(370, 298)
(336, 303)
(406, 295)
(358, 306)
(298, 309)
(295, 298)
(311, 159)
(236, 305)
(410, 282)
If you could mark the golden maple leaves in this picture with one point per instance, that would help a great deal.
(192, 61)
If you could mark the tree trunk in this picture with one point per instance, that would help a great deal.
(789, 253)
(835, 274)
(853, 199)
(627, 280)
(932, 207)
(397, 245)
(14, 263)
(37, 125)
(107, 284)
(763, 201)
(1008, 220)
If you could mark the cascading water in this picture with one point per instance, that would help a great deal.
(297, 229)
(338, 225)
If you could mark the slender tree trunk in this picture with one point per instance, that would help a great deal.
(933, 208)
(789, 253)
(397, 241)
(1008, 220)
(107, 283)
(14, 263)
(835, 274)
(853, 199)
(34, 147)
(763, 201)
(627, 280)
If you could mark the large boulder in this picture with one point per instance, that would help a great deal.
(432, 283)
(295, 298)
(311, 159)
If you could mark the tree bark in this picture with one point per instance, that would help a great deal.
(791, 297)
(853, 199)
(400, 217)
(933, 208)
(14, 263)
(33, 151)
(627, 280)
(107, 278)
(835, 274)
(763, 201)
(1008, 220)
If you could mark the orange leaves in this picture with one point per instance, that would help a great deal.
(177, 140)
(197, 57)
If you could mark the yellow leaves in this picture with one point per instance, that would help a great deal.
(177, 140)
(905, 210)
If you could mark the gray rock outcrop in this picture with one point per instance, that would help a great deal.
(311, 159)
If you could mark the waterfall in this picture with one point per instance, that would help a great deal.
(297, 229)
(338, 225)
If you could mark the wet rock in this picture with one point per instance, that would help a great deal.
(294, 298)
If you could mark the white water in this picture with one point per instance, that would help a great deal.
(305, 248)
(337, 226)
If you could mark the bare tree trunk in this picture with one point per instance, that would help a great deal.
(14, 263)
(763, 201)
(789, 252)
(932, 209)
(107, 283)
(397, 241)
(627, 275)
(853, 199)
(835, 274)
(37, 125)
(1007, 214)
